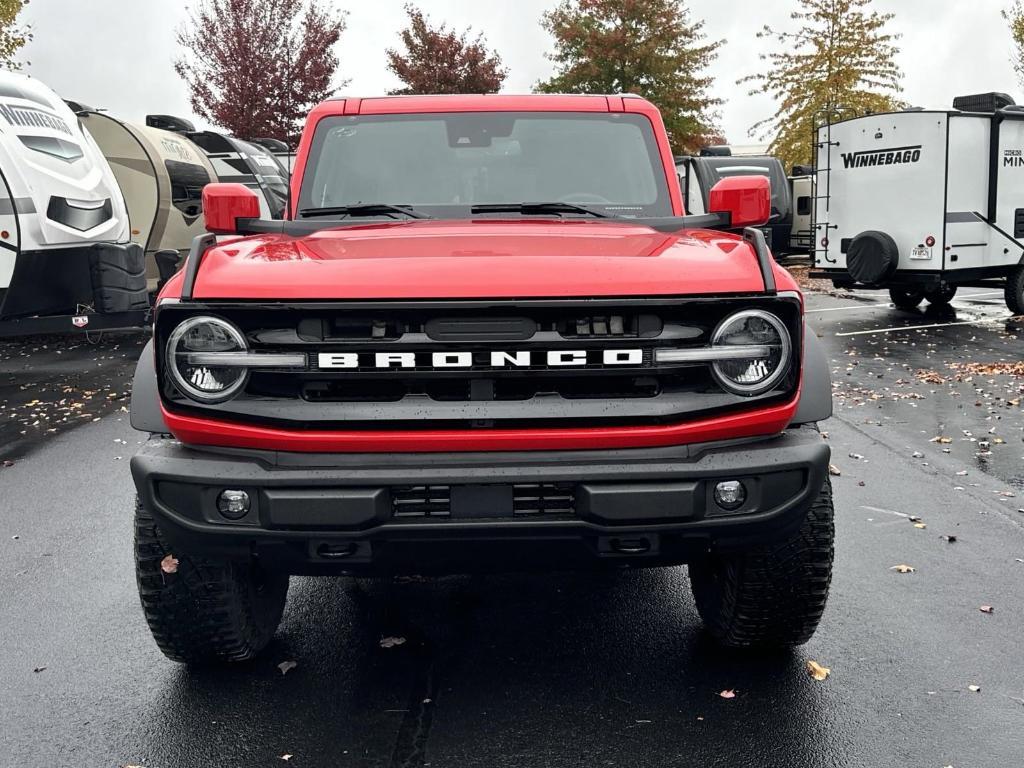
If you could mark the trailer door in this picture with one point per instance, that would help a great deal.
(1005, 246)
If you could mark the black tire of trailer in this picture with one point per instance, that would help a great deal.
(906, 298)
(772, 596)
(205, 610)
(1015, 291)
(941, 296)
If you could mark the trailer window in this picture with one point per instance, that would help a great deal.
(187, 182)
(803, 205)
(442, 163)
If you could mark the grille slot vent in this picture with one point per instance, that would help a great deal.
(421, 501)
(530, 499)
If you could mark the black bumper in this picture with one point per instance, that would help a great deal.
(357, 514)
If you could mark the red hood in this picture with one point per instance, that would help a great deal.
(479, 259)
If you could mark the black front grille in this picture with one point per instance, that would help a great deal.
(343, 385)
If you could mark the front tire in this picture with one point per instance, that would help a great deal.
(1015, 291)
(772, 596)
(208, 609)
(905, 298)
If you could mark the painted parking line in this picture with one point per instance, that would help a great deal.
(980, 321)
(890, 305)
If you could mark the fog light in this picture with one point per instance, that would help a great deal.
(234, 505)
(730, 494)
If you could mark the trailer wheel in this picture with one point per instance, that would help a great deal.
(905, 298)
(1015, 291)
(941, 296)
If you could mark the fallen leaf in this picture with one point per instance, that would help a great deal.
(817, 671)
(728, 693)
(8, 463)
(941, 439)
(834, 470)
(974, 688)
(39, 669)
(902, 568)
(986, 609)
(169, 564)
(914, 519)
(920, 525)
(391, 642)
(950, 539)
(286, 667)
(286, 758)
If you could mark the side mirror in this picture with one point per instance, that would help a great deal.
(224, 204)
(748, 200)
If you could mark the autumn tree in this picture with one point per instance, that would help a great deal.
(840, 61)
(1014, 16)
(647, 47)
(256, 67)
(437, 60)
(12, 34)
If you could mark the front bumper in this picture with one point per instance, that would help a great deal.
(339, 512)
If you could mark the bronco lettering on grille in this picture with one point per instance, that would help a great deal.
(566, 358)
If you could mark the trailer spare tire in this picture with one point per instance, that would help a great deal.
(872, 257)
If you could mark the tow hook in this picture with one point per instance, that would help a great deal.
(336, 550)
(631, 546)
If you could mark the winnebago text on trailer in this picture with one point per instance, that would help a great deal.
(66, 259)
(923, 201)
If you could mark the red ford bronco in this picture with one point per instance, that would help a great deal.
(485, 337)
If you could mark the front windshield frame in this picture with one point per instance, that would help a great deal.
(659, 205)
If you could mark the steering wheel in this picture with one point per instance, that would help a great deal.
(584, 197)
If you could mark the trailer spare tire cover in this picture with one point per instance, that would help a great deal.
(872, 257)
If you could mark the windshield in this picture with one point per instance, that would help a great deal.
(444, 164)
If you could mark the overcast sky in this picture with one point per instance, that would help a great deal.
(117, 53)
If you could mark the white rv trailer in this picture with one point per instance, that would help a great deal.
(802, 191)
(923, 201)
(162, 175)
(64, 238)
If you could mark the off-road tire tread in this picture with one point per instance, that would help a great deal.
(772, 596)
(1015, 291)
(204, 612)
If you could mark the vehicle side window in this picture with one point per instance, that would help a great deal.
(803, 205)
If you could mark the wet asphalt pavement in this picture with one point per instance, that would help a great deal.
(564, 669)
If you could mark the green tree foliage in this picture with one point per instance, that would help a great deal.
(647, 47)
(1014, 16)
(841, 57)
(12, 35)
(437, 60)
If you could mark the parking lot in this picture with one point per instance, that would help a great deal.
(548, 670)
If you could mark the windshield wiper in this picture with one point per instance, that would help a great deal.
(366, 209)
(528, 208)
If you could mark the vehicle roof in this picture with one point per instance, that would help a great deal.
(477, 102)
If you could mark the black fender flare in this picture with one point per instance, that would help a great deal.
(145, 414)
(816, 392)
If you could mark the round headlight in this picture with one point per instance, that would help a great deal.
(765, 338)
(204, 382)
